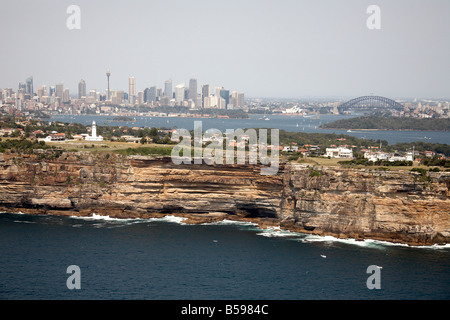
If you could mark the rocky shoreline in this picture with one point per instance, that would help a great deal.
(396, 206)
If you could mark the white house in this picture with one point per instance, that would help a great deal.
(375, 156)
(397, 157)
(380, 155)
(55, 137)
(410, 156)
(340, 152)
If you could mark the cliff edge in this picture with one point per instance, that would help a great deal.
(397, 206)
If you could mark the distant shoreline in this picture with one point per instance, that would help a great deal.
(390, 123)
(384, 129)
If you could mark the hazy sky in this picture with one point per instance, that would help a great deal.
(280, 48)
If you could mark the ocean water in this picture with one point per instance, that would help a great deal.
(166, 259)
(288, 123)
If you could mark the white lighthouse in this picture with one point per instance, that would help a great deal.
(93, 136)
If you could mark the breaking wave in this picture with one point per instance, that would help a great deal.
(170, 219)
(97, 217)
(227, 222)
(276, 232)
(104, 218)
(366, 242)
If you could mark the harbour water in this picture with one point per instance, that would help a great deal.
(282, 122)
(165, 259)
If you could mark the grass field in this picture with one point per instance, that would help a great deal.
(104, 146)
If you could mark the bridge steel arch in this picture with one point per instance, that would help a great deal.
(371, 101)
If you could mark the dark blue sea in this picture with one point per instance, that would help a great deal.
(165, 259)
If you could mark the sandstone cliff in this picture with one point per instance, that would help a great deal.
(397, 206)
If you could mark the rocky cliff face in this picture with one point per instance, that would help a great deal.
(398, 206)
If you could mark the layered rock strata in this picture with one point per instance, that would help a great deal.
(397, 206)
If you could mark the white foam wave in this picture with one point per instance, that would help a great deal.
(171, 219)
(20, 212)
(435, 246)
(231, 222)
(21, 221)
(367, 242)
(277, 232)
(97, 217)
(104, 218)
(361, 243)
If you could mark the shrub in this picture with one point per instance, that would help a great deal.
(315, 173)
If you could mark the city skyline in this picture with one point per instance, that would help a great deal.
(83, 87)
(187, 96)
(288, 49)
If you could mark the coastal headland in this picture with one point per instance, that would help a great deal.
(396, 206)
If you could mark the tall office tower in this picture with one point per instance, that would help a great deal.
(22, 87)
(146, 94)
(168, 89)
(152, 95)
(140, 97)
(207, 102)
(179, 93)
(131, 86)
(108, 96)
(240, 100)
(193, 89)
(205, 94)
(117, 97)
(81, 89)
(233, 99)
(221, 104)
(60, 91)
(131, 89)
(66, 96)
(21, 92)
(217, 91)
(29, 86)
(225, 94)
(213, 101)
(7, 93)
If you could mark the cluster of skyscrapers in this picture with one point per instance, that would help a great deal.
(181, 95)
(55, 97)
(188, 96)
(26, 95)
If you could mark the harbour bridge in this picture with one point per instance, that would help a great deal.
(371, 102)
